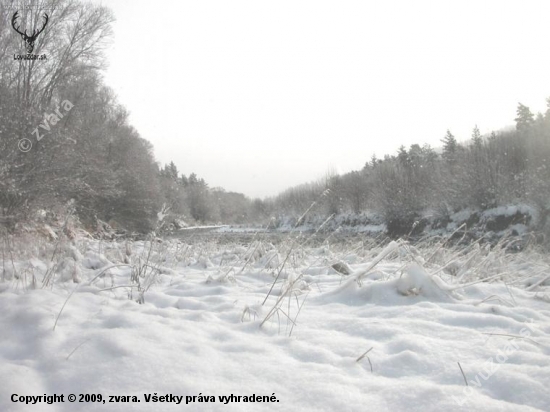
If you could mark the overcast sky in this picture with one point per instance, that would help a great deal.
(257, 96)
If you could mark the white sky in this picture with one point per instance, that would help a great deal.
(256, 96)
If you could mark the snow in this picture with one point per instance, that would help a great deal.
(510, 210)
(198, 329)
(371, 228)
(205, 227)
(519, 228)
(240, 229)
(461, 216)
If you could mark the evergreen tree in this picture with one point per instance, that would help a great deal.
(373, 160)
(525, 118)
(450, 148)
(184, 181)
(193, 180)
(172, 171)
(476, 137)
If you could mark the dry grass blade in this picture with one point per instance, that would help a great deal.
(278, 274)
(363, 355)
(387, 251)
(445, 242)
(513, 336)
(106, 269)
(63, 307)
(296, 317)
(537, 284)
(75, 349)
(463, 375)
(495, 297)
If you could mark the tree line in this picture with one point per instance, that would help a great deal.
(90, 159)
(505, 167)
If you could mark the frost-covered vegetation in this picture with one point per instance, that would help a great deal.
(321, 320)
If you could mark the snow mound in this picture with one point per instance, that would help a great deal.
(413, 286)
(416, 281)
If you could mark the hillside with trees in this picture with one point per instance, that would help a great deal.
(508, 167)
(86, 158)
(90, 162)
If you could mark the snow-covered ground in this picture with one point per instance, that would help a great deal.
(202, 331)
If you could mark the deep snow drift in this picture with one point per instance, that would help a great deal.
(173, 318)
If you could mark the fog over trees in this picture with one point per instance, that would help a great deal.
(91, 161)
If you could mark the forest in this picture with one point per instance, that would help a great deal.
(90, 162)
